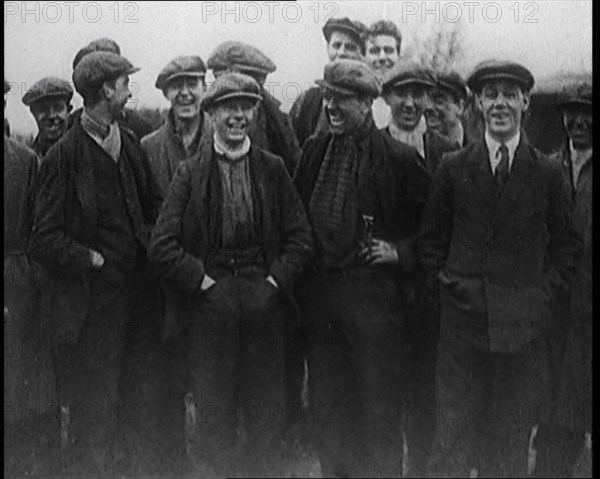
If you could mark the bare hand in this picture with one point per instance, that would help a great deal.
(97, 259)
(207, 283)
(271, 280)
(380, 252)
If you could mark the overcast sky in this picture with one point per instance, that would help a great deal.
(43, 38)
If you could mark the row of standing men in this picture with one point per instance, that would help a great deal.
(248, 291)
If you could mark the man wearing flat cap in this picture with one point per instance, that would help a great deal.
(499, 242)
(561, 436)
(129, 118)
(97, 201)
(364, 194)
(406, 90)
(448, 101)
(344, 39)
(232, 238)
(49, 101)
(271, 129)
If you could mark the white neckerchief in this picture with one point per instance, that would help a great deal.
(578, 159)
(222, 149)
(493, 146)
(413, 138)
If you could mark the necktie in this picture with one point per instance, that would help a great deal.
(501, 173)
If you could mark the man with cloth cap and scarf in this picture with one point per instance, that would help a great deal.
(364, 194)
(271, 129)
(49, 101)
(128, 118)
(232, 238)
(97, 202)
(499, 242)
(405, 89)
(344, 40)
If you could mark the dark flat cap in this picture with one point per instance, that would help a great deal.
(237, 56)
(189, 65)
(495, 70)
(353, 27)
(98, 45)
(453, 82)
(349, 77)
(577, 95)
(48, 87)
(229, 86)
(98, 67)
(408, 74)
(6, 86)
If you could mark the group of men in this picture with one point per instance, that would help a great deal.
(433, 289)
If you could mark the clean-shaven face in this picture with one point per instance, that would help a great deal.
(184, 93)
(503, 104)
(51, 115)
(345, 113)
(578, 123)
(382, 52)
(119, 95)
(232, 120)
(444, 112)
(408, 103)
(343, 45)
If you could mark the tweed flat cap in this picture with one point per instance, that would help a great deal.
(229, 86)
(408, 74)
(98, 45)
(188, 65)
(48, 87)
(6, 86)
(344, 25)
(577, 95)
(494, 70)
(348, 77)
(98, 67)
(453, 82)
(239, 57)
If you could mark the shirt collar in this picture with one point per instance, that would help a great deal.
(494, 144)
(222, 149)
(94, 127)
(580, 156)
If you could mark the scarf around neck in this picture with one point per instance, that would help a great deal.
(222, 149)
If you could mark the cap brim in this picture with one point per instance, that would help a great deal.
(230, 96)
(478, 84)
(411, 81)
(30, 101)
(453, 88)
(575, 102)
(325, 85)
(131, 70)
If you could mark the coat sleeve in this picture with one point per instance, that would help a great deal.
(166, 252)
(436, 225)
(565, 244)
(295, 235)
(49, 245)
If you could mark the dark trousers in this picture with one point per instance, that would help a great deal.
(89, 370)
(487, 404)
(236, 361)
(354, 360)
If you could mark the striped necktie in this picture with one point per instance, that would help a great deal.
(501, 173)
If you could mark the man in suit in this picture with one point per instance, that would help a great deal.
(344, 39)
(405, 89)
(97, 201)
(49, 101)
(498, 239)
(232, 238)
(364, 194)
(271, 129)
(448, 101)
(128, 118)
(561, 435)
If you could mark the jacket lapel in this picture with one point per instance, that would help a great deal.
(481, 173)
(84, 178)
(519, 177)
(258, 181)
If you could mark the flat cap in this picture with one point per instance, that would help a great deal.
(577, 95)
(98, 45)
(348, 77)
(6, 86)
(98, 67)
(494, 70)
(188, 65)
(228, 86)
(453, 82)
(411, 73)
(48, 87)
(353, 27)
(239, 57)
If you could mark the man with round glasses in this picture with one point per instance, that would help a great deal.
(498, 240)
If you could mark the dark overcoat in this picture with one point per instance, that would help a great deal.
(190, 219)
(66, 216)
(501, 259)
